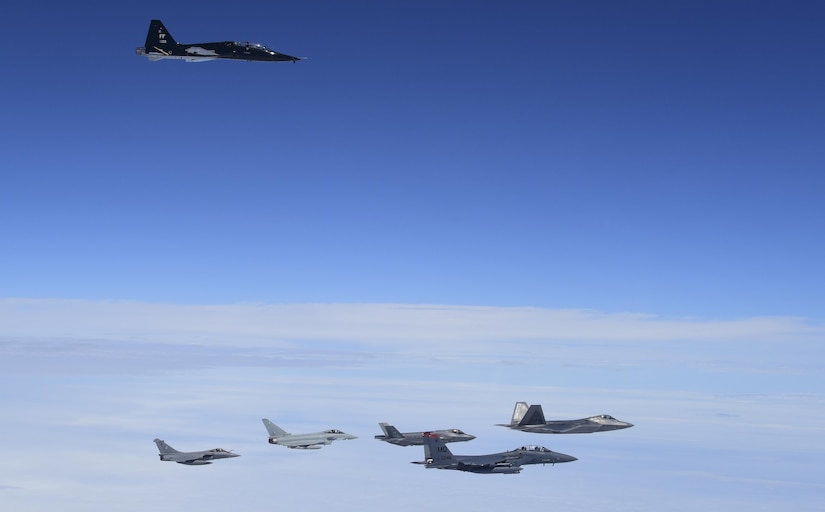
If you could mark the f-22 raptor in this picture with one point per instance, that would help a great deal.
(393, 436)
(531, 419)
(167, 453)
(437, 455)
(161, 45)
(312, 441)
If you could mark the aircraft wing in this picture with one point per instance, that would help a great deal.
(563, 427)
(197, 461)
(474, 465)
(485, 461)
(303, 444)
(496, 467)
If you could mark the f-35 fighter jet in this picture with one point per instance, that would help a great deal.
(392, 435)
(161, 45)
(531, 419)
(167, 453)
(437, 455)
(312, 441)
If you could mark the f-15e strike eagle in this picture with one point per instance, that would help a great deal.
(437, 455)
(531, 419)
(393, 436)
(161, 45)
(167, 453)
(312, 441)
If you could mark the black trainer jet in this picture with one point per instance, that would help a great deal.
(161, 45)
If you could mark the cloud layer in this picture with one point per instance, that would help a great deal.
(717, 405)
(372, 323)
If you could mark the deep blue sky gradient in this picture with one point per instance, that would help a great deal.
(662, 157)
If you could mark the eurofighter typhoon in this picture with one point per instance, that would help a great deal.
(312, 441)
(161, 45)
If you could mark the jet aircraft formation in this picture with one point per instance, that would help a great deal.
(436, 453)
(527, 419)
(161, 45)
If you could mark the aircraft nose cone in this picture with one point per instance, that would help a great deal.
(620, 425)
(562, 457)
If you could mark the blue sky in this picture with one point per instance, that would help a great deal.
(638, 157)
(613, 207)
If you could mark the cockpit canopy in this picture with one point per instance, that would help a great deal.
(334, 431)
(533, 448)
(247, 44)
(606, 417)
(456, 431)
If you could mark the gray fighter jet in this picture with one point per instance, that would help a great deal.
(312, 441)
(167, 453)
(531, 419)
(392, 435)
(437, 455)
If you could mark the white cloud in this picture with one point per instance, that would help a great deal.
(722, 408)
(369, 324)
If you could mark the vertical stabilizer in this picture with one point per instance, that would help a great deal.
(273, 429)
(390, 432)
(163, 447)
(159, 39)
(518, 412)
(436, 452)
(533, 416)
